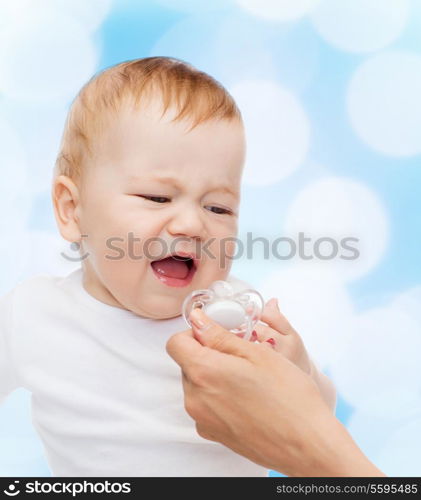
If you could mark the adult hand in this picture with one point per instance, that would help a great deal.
(284, 339)
(282, 336)
(259, 404)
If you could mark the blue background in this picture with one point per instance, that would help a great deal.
(329, 91)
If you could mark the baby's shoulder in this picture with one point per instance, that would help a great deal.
(38, 281)
(32, 289)
(27, 299)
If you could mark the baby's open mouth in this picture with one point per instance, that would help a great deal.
(175, 270)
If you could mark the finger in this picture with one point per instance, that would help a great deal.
(188, 391)
(275, 319)
(213, 335)
(184, 348)
(253, 336)
(201, 365)
(267, 335)
(204, 432)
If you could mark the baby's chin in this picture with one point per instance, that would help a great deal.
(170, 306)
(160, 315)
(156, 311)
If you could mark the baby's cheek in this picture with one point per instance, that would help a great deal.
(222, 251)
(231, 247)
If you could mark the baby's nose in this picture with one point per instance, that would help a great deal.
(186, 222)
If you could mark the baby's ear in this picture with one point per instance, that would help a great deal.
(65, 197)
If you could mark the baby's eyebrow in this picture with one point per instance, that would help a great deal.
(226, 189)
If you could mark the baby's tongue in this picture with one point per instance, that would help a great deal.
(173, 268)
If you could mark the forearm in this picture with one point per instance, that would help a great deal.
(325, 449)
(337, 454)
(327, 446)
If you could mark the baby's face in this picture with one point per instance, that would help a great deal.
(157, 190)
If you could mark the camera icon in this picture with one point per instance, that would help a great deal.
(75, 247)
(12, 490)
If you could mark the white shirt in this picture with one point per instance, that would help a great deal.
(107, 399)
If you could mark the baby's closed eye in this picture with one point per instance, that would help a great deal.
(163, 199)
(156, 199)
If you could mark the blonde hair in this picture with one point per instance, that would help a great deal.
(194, 94)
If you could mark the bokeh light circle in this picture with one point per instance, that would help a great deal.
(90, 14)
(378, 369)
(360, 25)
(47, 59)
(276, 10)
(277, 130)
(384, 105)
(193, 6)
(339, 209)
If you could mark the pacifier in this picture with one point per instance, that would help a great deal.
(237, 312)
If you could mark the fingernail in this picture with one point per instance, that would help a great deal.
(198, 319)
(253, 336)
(271, 341)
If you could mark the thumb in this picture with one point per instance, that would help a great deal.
(213, 335)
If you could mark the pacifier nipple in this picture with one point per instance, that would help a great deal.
(227, 313)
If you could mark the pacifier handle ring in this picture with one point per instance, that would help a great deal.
(252, 319)
(255, 293)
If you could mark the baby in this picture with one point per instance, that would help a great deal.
(147, 178)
